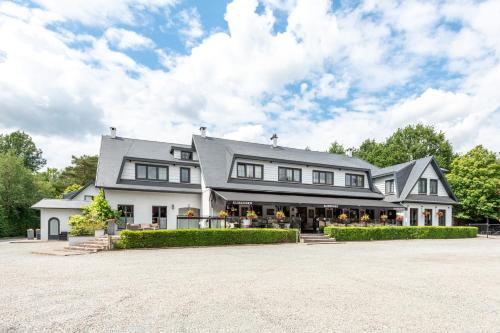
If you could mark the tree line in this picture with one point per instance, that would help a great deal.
(474, 176)
(22, 183)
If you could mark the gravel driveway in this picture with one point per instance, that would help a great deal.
(393, 286)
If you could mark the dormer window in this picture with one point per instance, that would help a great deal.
(389, 186)
(433, 186)
(151, 172)
(352, 180)
(247, 170)
(291, 175)
(186, 155)
(422, 186)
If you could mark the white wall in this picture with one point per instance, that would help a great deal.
(430, 173)
(90, 190)
(174, 172)
(144, 201)
(271, 171)
(62, 214)
(380, 183)
(421, 207)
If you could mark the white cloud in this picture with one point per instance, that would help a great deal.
(191, 29)
(238, 82)
(127, 39)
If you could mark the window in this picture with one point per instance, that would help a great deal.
(127, 215)
(247, 170)
(442, 217)
(151, 172)
(185, 175)
(433, 186)
(389, 186)
(323, 177)
(354, 180)
(88, 197)
(422, 186)
(270, 212)
(186, 155)
(428, 217)
(289, 175)
(413, 216)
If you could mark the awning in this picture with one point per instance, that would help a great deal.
(248, 198)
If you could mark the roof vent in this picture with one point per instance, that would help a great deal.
(275, 140)
(203, 131)
(112, 132)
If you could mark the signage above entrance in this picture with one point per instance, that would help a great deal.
(242, 202)
(330, 206)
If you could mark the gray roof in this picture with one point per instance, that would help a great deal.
(72, 194)
(304, 200)
(430, 199)
(407, 174)
(61, 204)
(114, 151)
(216, 157)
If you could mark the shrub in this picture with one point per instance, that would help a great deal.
(82, 226)
(385, 233)
(204, 237)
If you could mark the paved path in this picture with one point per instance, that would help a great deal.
(392, 286)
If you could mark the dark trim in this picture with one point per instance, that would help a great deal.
(168, 162)
(189, 175)
(430, 187)
(333, 177)
(73, 194)
(290, 181)
(172, 148)
(279, 160)
(254, 165)
(148, 190)
(157, 183)
(393, 186)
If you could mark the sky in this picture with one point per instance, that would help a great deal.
(313, 72)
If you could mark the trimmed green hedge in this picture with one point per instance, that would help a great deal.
(385, 233)
(203, 237)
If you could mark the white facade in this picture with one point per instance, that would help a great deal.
(429, 173)
(143, 203)
(271, 171)
(380, 183)
(87, 194)
(62, 214)
(421, 207)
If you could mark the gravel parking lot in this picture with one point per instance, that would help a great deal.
(418, 286)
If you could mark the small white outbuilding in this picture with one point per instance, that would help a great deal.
(55, 213)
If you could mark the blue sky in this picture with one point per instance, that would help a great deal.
(314, 72)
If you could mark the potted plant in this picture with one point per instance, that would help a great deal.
(365, 218)
(280, 215)
(383, 218)
(400, 219)
(440, 213)
(250, 216)
(343, 218)
(190, 213)
(222, 214)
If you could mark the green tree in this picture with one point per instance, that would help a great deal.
(71, 188)
(413, 142)
(17, 193)
(371, 151)
(81, 171)
(336, 148)
(475, 179)
(406, 144)
(21, 144)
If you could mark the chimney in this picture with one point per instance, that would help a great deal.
(112, 132)
(203, 131)
(348, 152)
(275, 140)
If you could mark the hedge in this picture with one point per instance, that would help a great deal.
(385, 233)
(203, 237)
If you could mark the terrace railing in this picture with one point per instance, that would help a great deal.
(486, 228)
(196, 222)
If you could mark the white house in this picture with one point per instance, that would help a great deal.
(157, 182)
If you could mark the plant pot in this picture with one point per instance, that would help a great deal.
(76, 240)
(99, 233)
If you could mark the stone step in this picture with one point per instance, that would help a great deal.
(318, 240)
(94, 246)
(325, 242)
(313, 236)
(80, 249)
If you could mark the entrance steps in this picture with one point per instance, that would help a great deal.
(93, 246)
(311, 239)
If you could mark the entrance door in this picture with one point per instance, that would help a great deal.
(54, 228)
(310, 218)
(159, 215)
(302, 213)
(414, 216)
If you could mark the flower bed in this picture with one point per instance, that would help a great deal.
(386, 233)
(204, 237)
